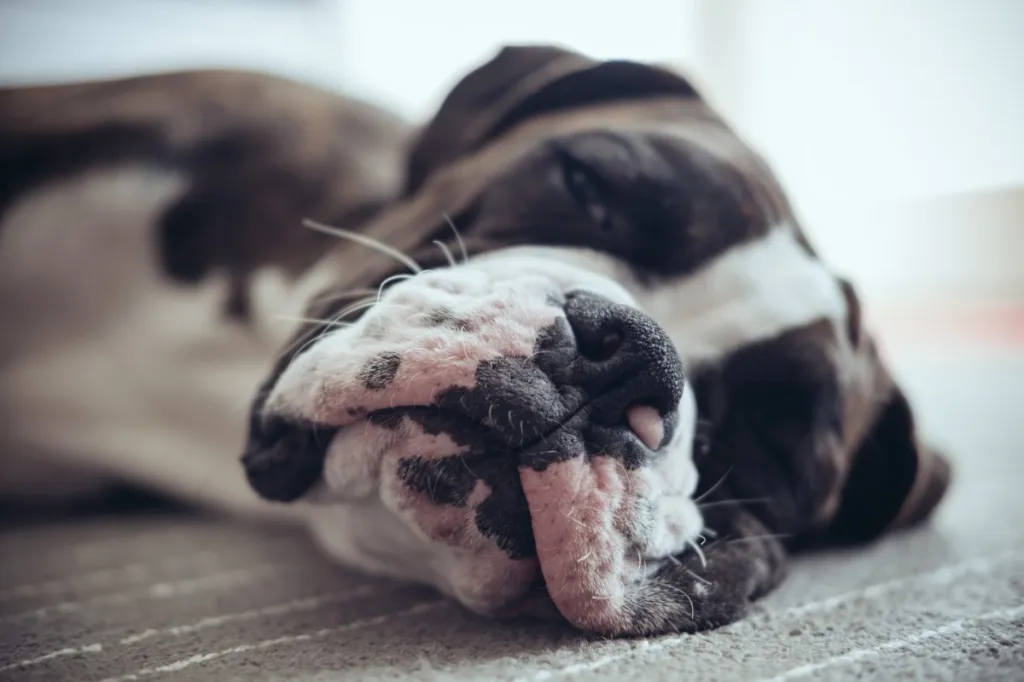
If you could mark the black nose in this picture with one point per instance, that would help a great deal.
(619, 357)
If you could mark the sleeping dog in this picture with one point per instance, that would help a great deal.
(563, 351)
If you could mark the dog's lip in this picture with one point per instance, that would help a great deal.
(644, 421)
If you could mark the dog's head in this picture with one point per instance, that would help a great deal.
(603, 289)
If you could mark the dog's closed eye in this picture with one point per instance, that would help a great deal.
(586, 188)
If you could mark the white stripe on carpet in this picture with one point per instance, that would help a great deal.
(940, 576)
(161, 590)
(867, 653)
(295, 605)
(104, 577)
(268, 643)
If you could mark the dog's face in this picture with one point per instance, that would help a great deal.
(507, 419)
(521, 426)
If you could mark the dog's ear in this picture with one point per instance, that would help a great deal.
(776, 410)
(524, 81)
(895, 480)
(814, 433)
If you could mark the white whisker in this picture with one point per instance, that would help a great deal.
(446, 251)
(305, 341)
(714, 487)
(366, 241)
(386, 282)
(356, 307)
(693, 610)
(763, 536)
(741, 500)
(697, 577)
(699, 552)
(458, 237)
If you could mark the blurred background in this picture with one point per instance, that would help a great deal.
(895, 124)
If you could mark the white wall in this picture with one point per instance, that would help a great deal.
(403, 53)
(860, 105)
(58, 40)
(408, 53)
(866, 105)
(913, 96)
(891, 97)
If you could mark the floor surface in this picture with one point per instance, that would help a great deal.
(164, 597)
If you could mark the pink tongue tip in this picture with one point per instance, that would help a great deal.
(646, 424)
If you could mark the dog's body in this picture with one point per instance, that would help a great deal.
(517, 428)
(148, 260)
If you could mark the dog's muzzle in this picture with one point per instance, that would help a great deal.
(605, 374)
(547, 463)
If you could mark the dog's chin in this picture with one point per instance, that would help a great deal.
(512, 431)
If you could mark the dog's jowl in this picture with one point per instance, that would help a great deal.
(581, 362)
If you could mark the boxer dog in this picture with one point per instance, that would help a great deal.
(581, 361)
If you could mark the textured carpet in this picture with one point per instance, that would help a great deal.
(168, 596)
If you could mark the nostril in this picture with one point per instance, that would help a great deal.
(599, 327)
(602, 347)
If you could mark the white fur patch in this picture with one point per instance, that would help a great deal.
(750, 293)
(110, 365)
(753, 292)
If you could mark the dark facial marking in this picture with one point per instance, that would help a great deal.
(439, 317)
(504, 516)
(387, 419)
(445, 481)
(663, 204)
(443, 317)
(380, 371)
